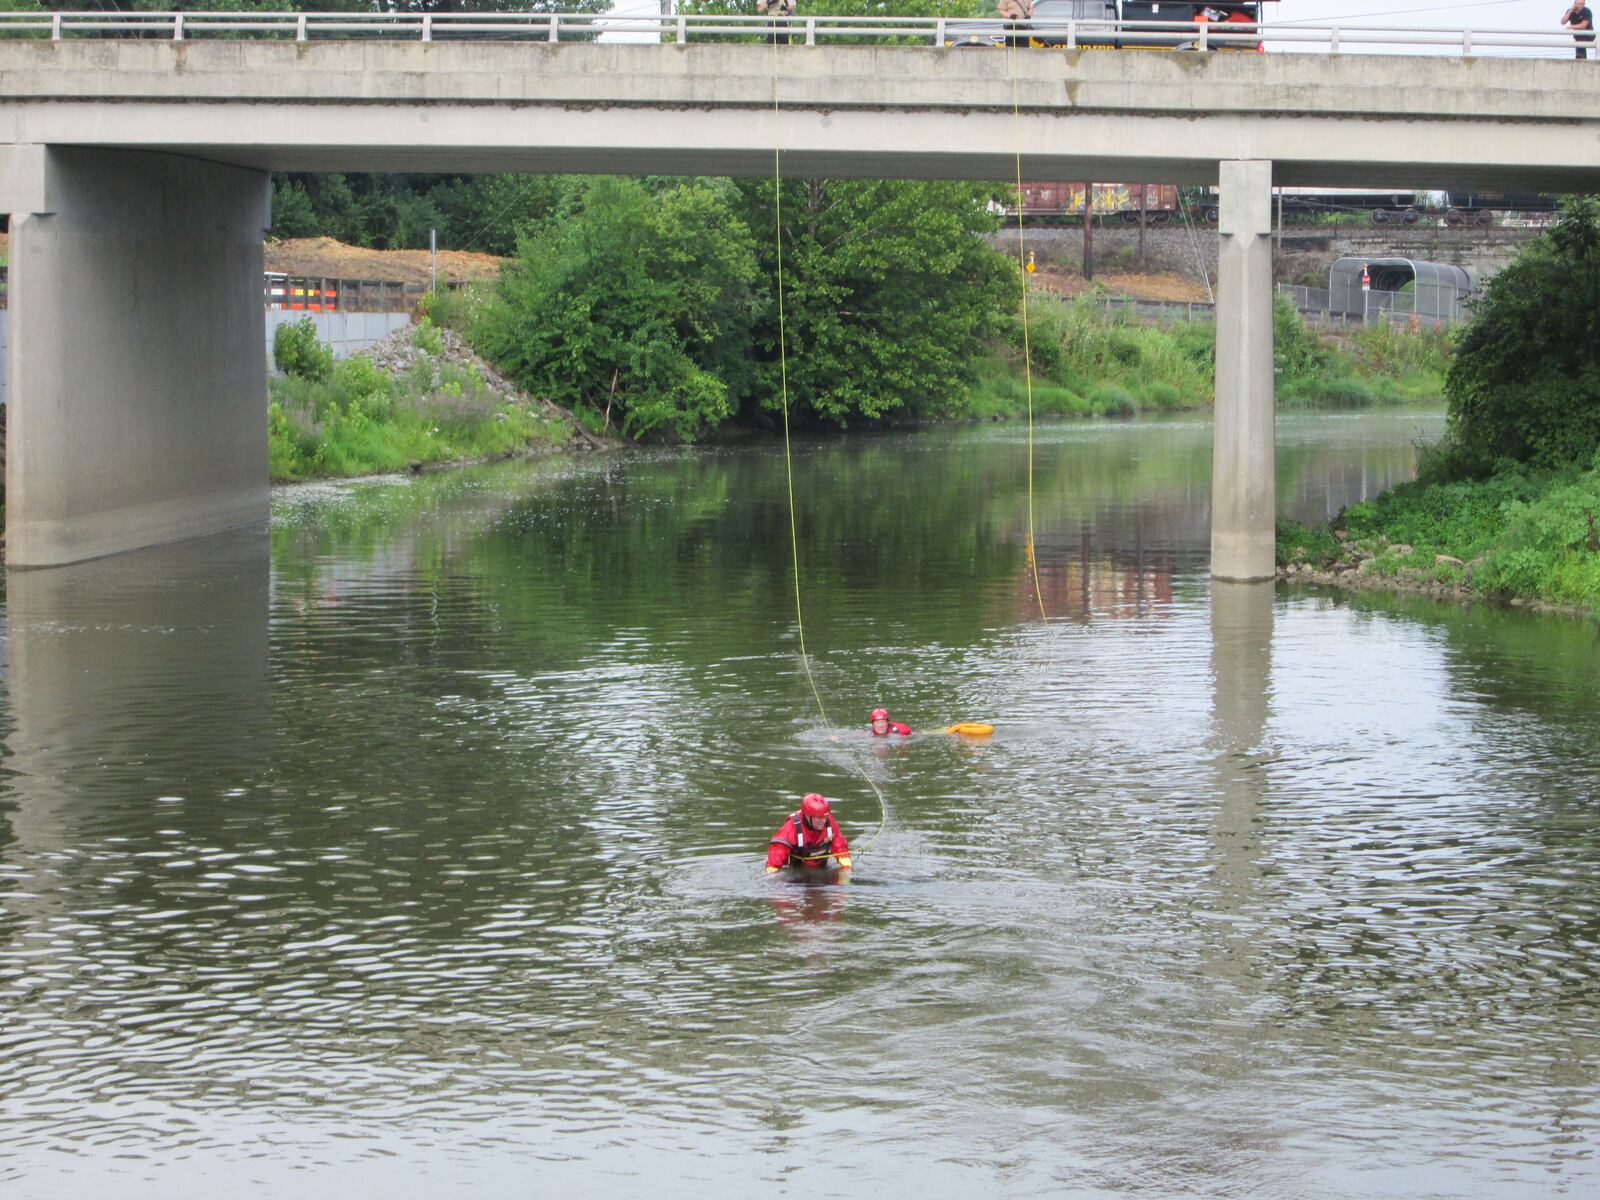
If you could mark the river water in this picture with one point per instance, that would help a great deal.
(414, 848)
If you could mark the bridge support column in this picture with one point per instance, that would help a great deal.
(1243, 490)
(136, 376)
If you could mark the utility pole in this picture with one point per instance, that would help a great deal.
(1088, 231)
(1143, 190)
(1277, 249)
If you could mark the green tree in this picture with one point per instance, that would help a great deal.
(889, 294)
(637, 306)
(488, 213)
(1525, 382)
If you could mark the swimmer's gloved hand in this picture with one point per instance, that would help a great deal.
(844, 862)
(772, 870)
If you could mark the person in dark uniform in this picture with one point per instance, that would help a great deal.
(1580, 20)
(777, 10)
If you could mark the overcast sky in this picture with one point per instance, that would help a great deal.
(1442, 14)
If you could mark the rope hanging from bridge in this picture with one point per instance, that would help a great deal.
(1023, 268)
(788, 452)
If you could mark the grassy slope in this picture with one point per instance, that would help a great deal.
(1517, 535)
(364, 421)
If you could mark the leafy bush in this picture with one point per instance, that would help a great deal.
(636, 304)
(1525, 383)
(298, 352)
(457, 308)
(1112, 400)
(425, 337)
(1390, 350)
(1162, 396)
(1346, 393)
(1295, 350)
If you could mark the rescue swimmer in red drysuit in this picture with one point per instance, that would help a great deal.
(883, 727)
(809, 838)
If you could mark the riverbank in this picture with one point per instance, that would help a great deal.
(1087, 363)
(417, 400)
(1521, 538)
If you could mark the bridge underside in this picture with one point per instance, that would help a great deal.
(135, 175)
(857, 144)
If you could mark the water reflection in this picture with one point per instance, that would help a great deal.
(135, 681)
(1241, 670)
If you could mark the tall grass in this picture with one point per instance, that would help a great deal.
(1088, 363)
(364, 421)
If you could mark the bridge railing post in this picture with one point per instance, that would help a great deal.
(1072, 35)
(177, 27)
(427, 27)
(1333, 40)
(1466, 41)
(555, 27)
(938, 33)
(811, 31)
(300, 28)
(683, 29)
(55, 27)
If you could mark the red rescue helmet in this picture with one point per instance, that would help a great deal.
(880, 714)
(814, 805)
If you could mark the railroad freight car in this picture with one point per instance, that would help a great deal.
(1044, 203)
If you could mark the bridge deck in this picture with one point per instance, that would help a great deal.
(843, 111)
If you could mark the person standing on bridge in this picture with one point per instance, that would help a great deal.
(1581, 21)
(1013, 12)
(777, 11)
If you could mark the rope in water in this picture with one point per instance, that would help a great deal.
(788, 458)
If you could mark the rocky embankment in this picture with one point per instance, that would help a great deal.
(1377, 565)
(400, 354)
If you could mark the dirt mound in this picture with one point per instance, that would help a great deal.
(324, 256)
(1131, 285)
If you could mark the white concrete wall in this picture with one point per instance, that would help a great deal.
(347, 332)
(136, 398)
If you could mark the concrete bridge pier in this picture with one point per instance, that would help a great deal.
(136, 376)
(1243, 458)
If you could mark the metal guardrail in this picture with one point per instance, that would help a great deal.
(1399, 308)
(317, 293)
(1158, 311)
(327, 293)
(1290, 36)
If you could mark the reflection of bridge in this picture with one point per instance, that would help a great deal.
(141, 164)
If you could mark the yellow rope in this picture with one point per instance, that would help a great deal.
(1027, 349)
(788, 455)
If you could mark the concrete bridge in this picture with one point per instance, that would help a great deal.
(139, 167)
